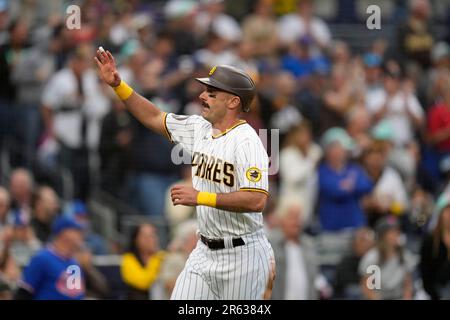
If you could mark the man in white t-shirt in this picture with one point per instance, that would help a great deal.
(72, 106)
(398, 105)
(295, 26)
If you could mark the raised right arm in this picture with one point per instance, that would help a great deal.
(142, 109)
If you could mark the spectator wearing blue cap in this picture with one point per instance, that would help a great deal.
(435, 252)
(53, 273)
(373, 80)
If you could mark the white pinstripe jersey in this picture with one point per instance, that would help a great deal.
(231, 161)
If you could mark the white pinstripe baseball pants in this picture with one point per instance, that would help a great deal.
(240, 273)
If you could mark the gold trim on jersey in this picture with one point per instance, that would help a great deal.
(229, 129)
(165, 127)
(255, 190)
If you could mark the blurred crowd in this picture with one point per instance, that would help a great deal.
(364, 160)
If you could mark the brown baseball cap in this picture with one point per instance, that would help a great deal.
(234, 81)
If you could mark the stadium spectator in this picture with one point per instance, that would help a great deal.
(400, 106)
(372, 73)
(21, 185)
(389, 194)
(341, 55)
(9, 272)
(298, 169)
(342, 184)
(435, 81)
(310, 98)
(299, 61)
(96, 244)
(285, 113)
(5, 213)
(395, 263)
(212, 16)
(72, 106)
(150, 173)
(259, 29)
(357, 125)
(53, 273)
(339, 99)
(115, 141)
(295, 255)
(435, 253)
(45, 209)
(346, 278)
(29, 75)
(97, 286)
(303, 24)
(141, 264)
(11, 52)
(181, 20)
(439, 123)
(415, 36)
(24, 243)
(215, 52)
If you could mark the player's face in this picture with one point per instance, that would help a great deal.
(214, 104)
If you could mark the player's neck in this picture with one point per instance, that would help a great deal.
(225, 124)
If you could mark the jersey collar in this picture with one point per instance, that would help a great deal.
(229, 129)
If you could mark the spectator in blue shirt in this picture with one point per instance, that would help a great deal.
(300, 62)
(53, 273)
(342, 184)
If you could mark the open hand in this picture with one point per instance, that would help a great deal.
(107, 68)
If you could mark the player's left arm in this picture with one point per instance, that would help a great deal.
(251, 172)
(237, 201)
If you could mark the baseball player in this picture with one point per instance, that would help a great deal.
(232, 259)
